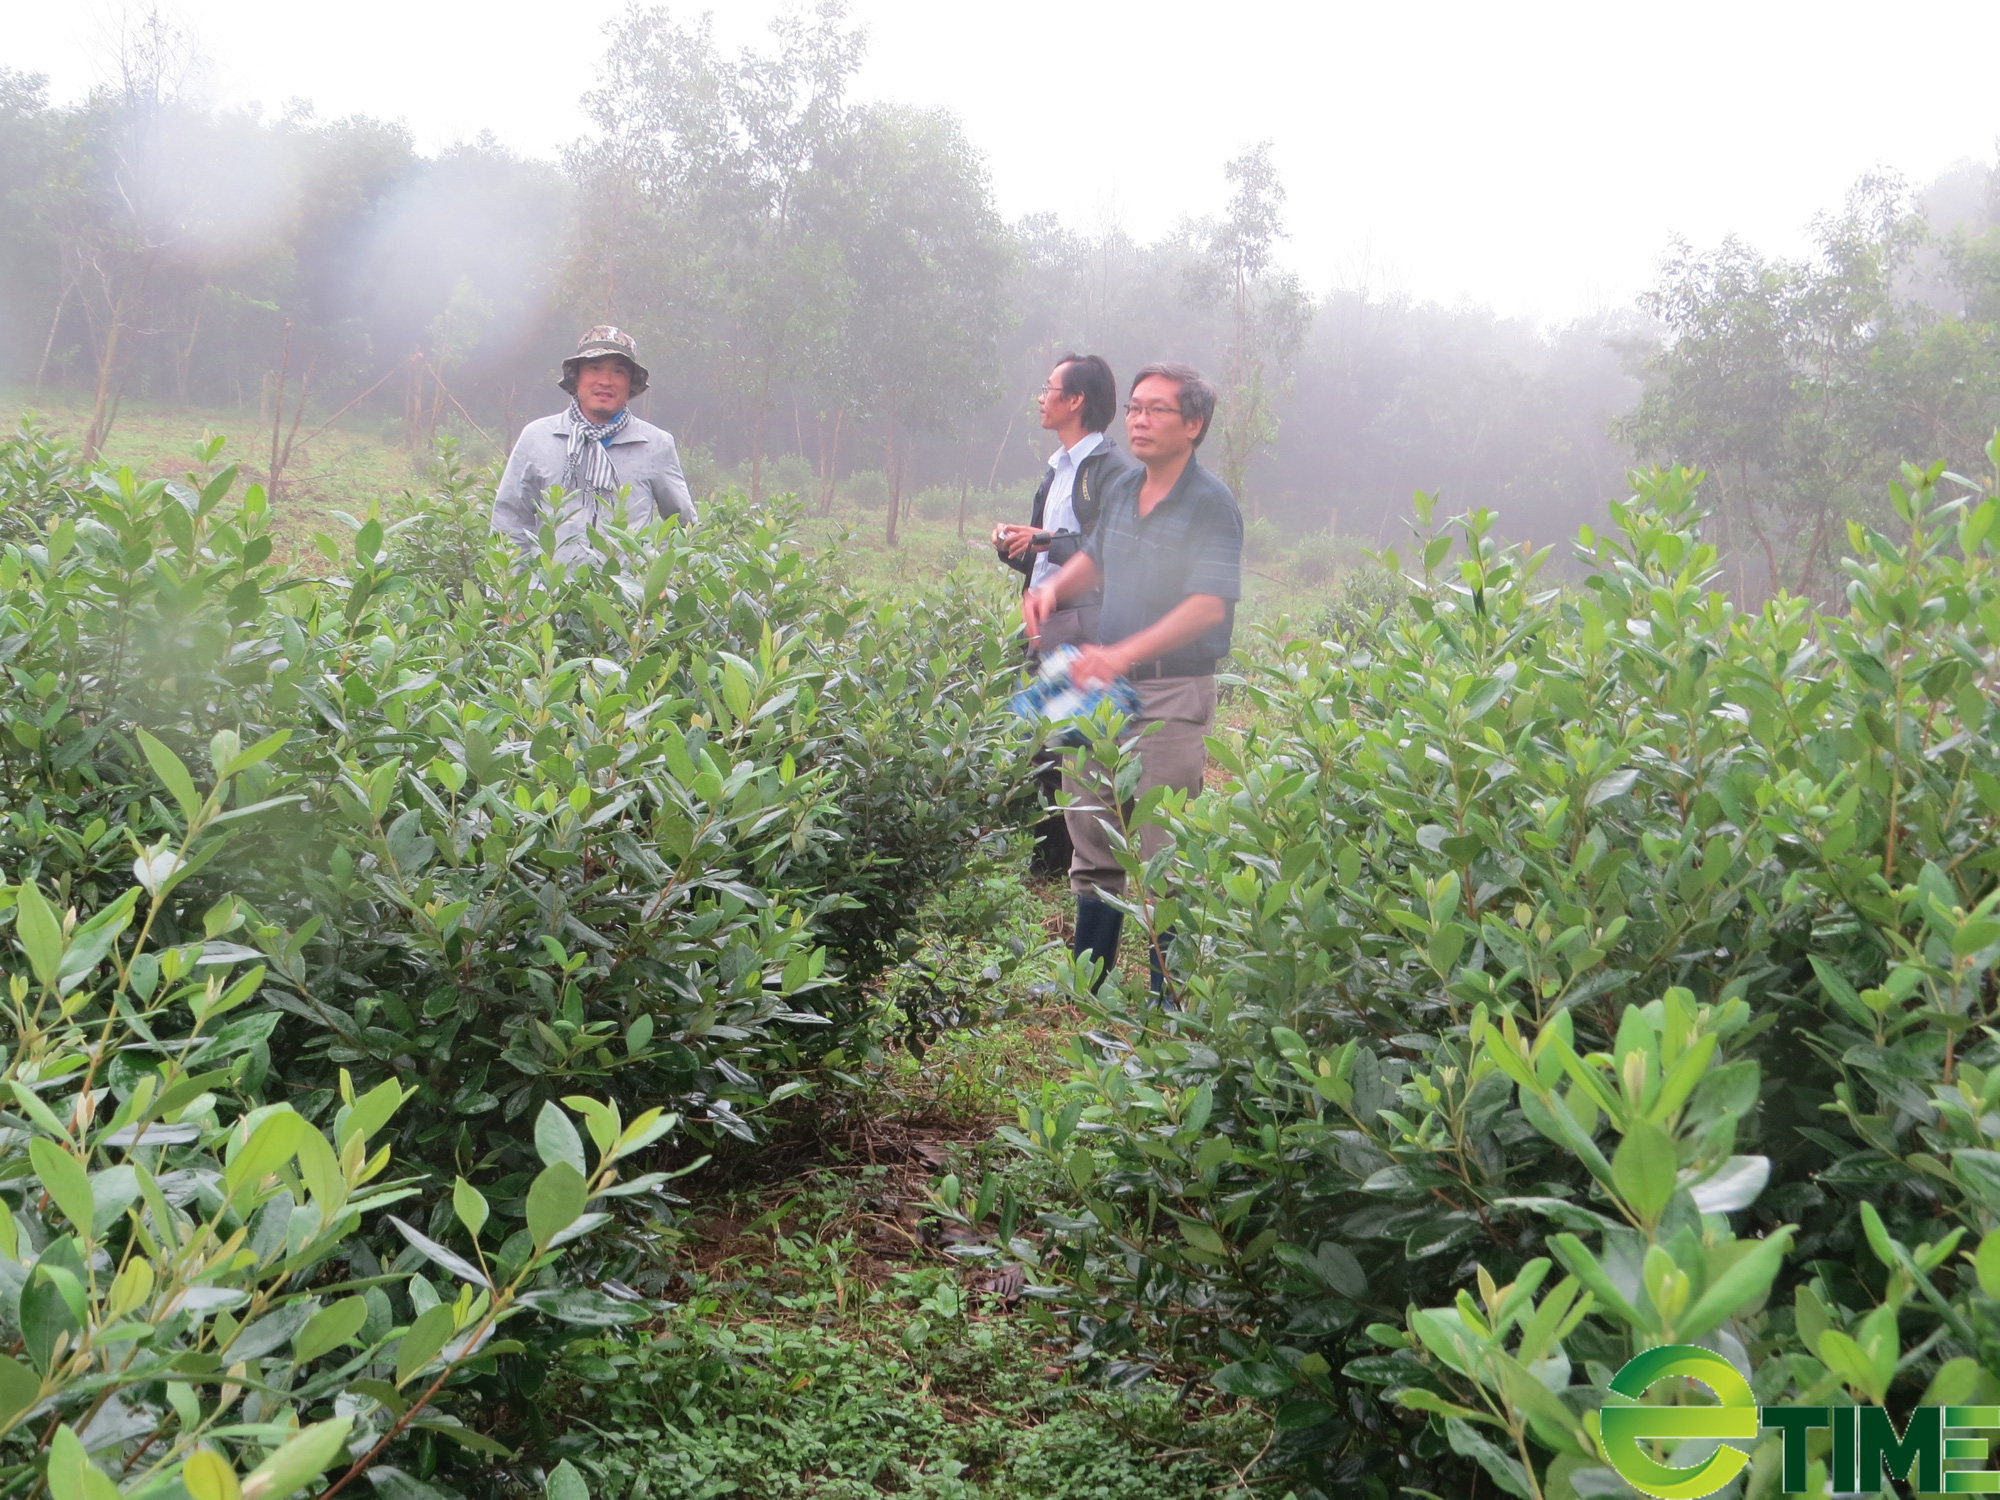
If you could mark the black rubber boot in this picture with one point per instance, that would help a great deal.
(1097, 929)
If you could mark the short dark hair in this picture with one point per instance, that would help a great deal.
(1197, 398)
(1088, 376)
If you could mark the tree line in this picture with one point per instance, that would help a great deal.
(824, 286)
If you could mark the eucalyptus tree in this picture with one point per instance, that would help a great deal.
(1268, 310)
(1796, 383)
(929, 262)
(703, 177)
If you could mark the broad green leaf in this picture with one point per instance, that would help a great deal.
(1986, 1265)
(1845, 1358)
(207, 1476)
(1504, 1469)
(1416, 1398)
(469, 1204)
(421, 1344)
(642, 1132)
(556, 1139)
(1643, 1168)
(1736, 1289)
(1252, 1378)
(1577, 1259)
(20, 1387)
(566, 1483)
(329, 1328)
(89, 944)
(371, 1111)
(1878, 1235)
(600, 1118)
(38, 930)
(303, 1458)
(112, 1191)
(583, 1306)
(173, 774)
(72, 1476)
(67, 1182)
(1446, 1336)
(256, 755)
(1555, 1424)
(438, 1254)
(273, 1142)
(555, 1199)
(1202, 1237)
(320, 1172)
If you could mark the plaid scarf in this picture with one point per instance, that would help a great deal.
(589, 469)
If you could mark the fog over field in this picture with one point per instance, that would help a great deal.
(1469, 209)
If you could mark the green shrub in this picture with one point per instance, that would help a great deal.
(1263, 542)
(1614, 948)
(789, 474)
(1364, 598)
(704, 474)
(939, 502)
(1316, 558)
(647, 833)
(180, 1264)
(655, 826)
(865, 489)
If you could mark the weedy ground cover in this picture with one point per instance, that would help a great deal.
(811, 1354)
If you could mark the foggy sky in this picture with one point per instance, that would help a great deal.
(1532, 157)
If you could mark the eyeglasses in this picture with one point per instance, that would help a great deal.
(1156, 410)
(1058, 392)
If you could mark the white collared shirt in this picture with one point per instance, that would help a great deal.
(1059, 510)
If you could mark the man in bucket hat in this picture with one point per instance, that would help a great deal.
(611, 468)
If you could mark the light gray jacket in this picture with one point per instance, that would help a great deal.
(649, 475)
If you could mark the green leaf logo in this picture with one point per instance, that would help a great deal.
(1626, 1425)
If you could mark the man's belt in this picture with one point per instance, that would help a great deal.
(1150, 671)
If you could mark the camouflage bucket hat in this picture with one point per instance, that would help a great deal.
(602, 342)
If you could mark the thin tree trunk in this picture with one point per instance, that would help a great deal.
(757, 417)
(100, 428)
(437, 370)
(993, 478)
(830, 476)
(413, 399)
(278, 408)
(1812, 552)
(48, 347)
(284, 460)
(964, 488)
(894, 476)
(187, 350)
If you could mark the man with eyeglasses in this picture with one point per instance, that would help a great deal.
(1077, 405)
(1166, 556)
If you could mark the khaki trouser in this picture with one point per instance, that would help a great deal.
(1075, 626)
(1173, 755)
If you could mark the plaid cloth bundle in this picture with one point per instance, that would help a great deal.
(1054, 698)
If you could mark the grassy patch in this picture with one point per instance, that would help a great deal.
(343, 469)
(826, 1348)
(362, 460)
